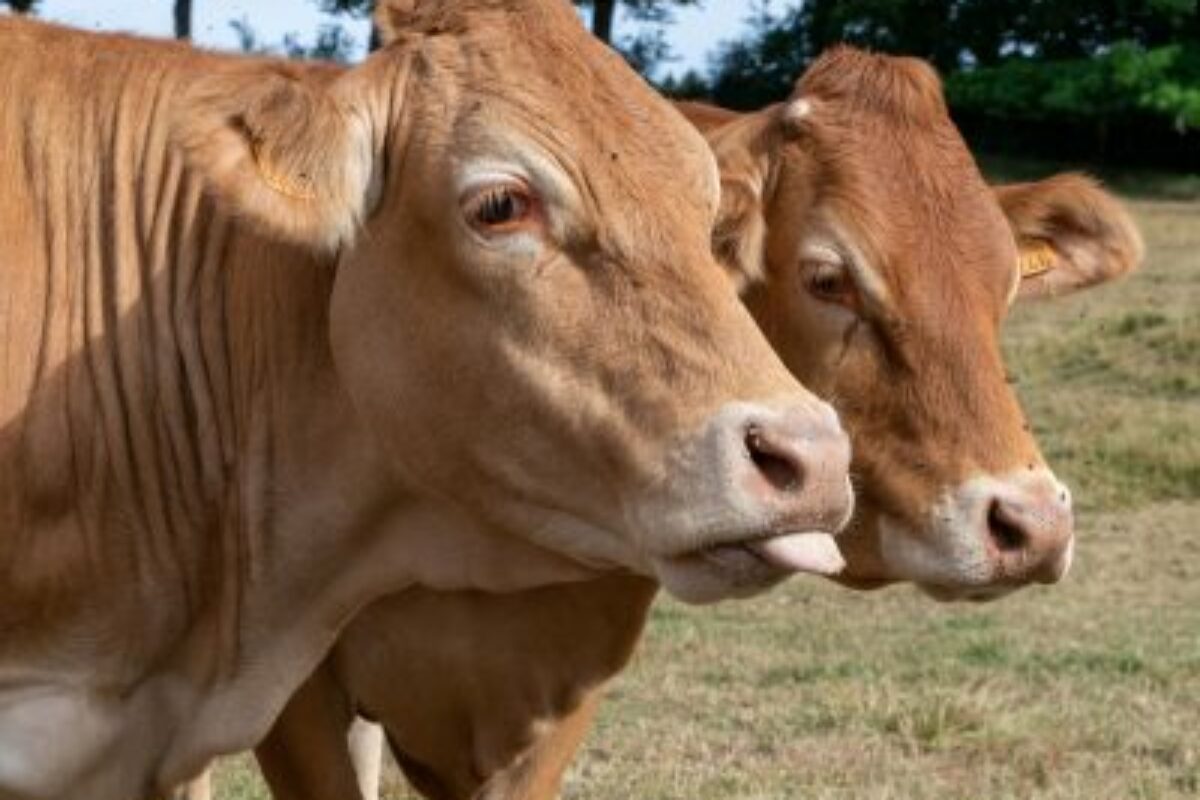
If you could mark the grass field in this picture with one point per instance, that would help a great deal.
(1087, 690)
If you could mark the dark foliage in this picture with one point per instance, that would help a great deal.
(183, 19)
(21, 6)
(1109, 80)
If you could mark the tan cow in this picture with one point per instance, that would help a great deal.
(881, 266)
(276, 339)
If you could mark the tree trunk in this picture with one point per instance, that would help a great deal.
(603, 12)
(183, 19)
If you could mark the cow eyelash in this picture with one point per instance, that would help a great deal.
(500, 208)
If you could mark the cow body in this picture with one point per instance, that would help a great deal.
(496, 703)
(865, 157)
(277, 339)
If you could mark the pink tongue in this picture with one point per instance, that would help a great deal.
(802, 552)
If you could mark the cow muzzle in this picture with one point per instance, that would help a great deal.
(1028, 529)
(987, 537)
(779, 493)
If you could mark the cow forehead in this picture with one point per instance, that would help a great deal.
(916, 206)
(894, 169)
(549, 83)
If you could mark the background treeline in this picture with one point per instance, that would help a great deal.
(1116, 81)
(1112, 81)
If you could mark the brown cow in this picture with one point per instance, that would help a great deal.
(881, 267)
(280, 338)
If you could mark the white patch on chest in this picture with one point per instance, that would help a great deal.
(49, 738)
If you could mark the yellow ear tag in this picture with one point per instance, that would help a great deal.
(1036, 258)
(297, 190)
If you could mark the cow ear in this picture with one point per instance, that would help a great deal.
(744, 149)
(392, 17)
(739, 237)
(285, 148)
(1070, 234)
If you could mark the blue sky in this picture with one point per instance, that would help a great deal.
(693, 36)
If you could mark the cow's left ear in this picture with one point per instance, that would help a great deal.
(284, 147)
(744, 149)
(1070, 234)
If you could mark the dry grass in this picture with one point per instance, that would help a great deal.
(1086, 690)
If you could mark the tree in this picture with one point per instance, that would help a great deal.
(247, 37)
(1126, 79)
(604, 13)
(358, 9)
(761, 68)
(333, 43)
(22, 6)
(923, 28)
(690, 86)
(647, 49)
(957, 33)
(1111, 79)
(952, 34)
(183, 19)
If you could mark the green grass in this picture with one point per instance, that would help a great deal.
(1089, 690)
(1111, 378)
(1086, 690)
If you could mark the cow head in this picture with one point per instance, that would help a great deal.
(881, 266)
(521, 321)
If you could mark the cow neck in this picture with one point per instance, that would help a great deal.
(184, 489)
(183, 420)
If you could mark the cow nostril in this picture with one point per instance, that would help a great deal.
(1007, 536)
(778, 470)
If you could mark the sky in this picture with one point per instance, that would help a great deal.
(694, 35)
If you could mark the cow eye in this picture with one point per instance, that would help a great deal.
(500, 208)
(831, 283)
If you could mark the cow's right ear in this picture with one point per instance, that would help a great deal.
(1071, 234)
(739, 236)
(743, 148)
(284, 147)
